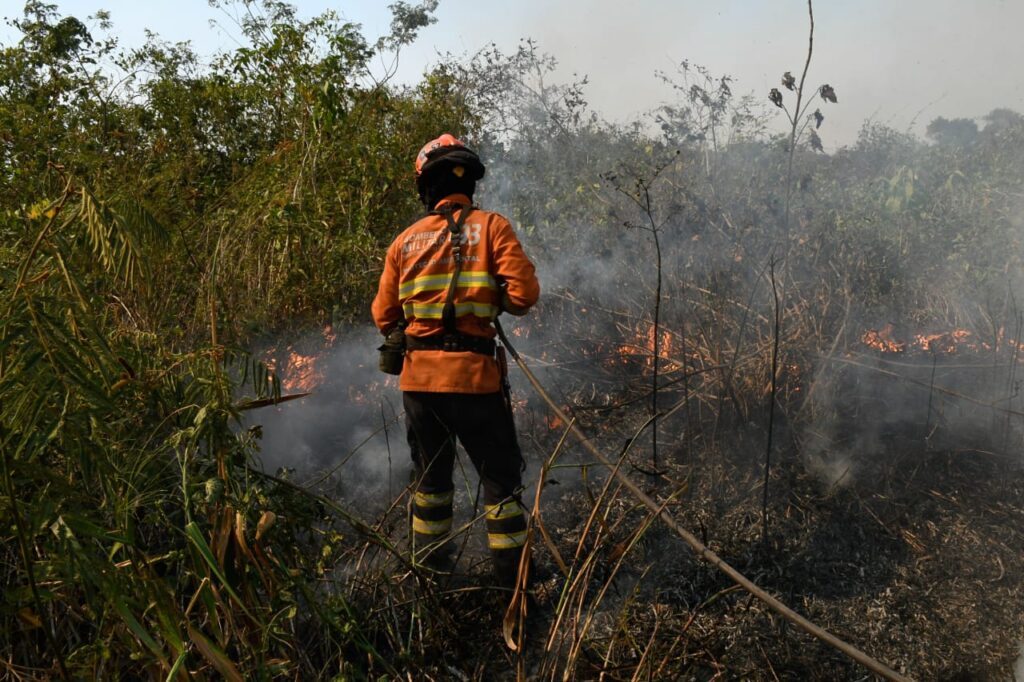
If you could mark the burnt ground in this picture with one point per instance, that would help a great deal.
(917, 562)
(915, 559)
(906, 544)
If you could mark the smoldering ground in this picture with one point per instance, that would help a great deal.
(718, 235)
(862, 408)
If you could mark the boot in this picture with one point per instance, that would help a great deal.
(431, 525)
(506, 535)
(505, 566)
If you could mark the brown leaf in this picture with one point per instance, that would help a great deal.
(266, 522)
(240, 536)
(215, 655)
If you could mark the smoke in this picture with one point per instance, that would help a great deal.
(349, 436)
(864, 245)
(861, 414)
(348, 432)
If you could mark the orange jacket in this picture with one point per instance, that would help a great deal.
(417, 271)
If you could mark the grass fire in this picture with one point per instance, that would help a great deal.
(769, 400)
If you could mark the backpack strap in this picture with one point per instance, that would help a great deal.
(455, 237)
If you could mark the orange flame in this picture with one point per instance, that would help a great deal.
(330, 336)
(300, 373)
(644, 345)
(946, 342)
(882, 340)
(953, 341)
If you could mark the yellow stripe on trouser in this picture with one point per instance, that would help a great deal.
(505, 510)
(431, 527)
(433, 311)
(481, 279)
(434, 499)
(506, 540)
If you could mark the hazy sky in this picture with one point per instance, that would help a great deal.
(895, 61)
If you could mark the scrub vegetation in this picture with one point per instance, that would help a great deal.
(708, 281)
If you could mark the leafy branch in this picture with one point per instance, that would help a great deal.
(827, 94)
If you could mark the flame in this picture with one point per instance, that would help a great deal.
(948, 342)
(882, 340)
(945, 342)
(553, 421)
(300, 373)
(330, 336)
(795, 376)
(359, 395)
(369, 393)
(643, 345)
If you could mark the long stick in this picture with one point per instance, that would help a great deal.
(771, 408)
(698, 547)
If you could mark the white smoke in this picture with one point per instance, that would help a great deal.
(349, 431)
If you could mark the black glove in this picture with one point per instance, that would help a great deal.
(506, 305)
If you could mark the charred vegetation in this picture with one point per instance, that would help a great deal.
(717, 297)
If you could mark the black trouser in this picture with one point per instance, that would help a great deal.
(483, 424)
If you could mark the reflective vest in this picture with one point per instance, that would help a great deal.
(417, 272)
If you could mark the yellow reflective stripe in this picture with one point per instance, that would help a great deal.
(431, 527)
(434, 499)
(472, 278)
(506, 540)
(432, 311)
(496, 512)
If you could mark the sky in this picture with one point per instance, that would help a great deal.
(897, 62)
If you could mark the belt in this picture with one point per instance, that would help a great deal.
(452, 343)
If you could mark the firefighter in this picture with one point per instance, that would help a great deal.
(451, 378)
